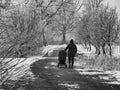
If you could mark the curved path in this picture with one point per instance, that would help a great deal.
(49, 77)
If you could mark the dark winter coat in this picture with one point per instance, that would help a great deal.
(72, 49)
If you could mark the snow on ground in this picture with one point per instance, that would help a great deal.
(22, 66)
(111, 77)
(81, 49)
(50, 48)
(70, 86)
(116, 51)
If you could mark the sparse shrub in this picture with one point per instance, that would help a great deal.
(102, 62)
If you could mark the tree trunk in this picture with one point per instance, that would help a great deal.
(89, 46)
(64, 38)
(103, 49)
(85, 45)
(97, 51)
(110, 51)
(44, 38)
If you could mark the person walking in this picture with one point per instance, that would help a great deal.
(72, 50)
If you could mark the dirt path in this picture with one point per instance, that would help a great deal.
(49, 77)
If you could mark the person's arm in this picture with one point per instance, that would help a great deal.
(67, 47)
(75, 49)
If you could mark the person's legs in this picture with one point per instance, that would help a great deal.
(69, 59)
(72, 61)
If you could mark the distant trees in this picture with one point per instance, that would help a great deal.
(21, 29)
(4, 4)
(43, 10)
(65, 20)
(47, 11)
(88, 25)
(109, 26)
(99, 25)
(18, 31)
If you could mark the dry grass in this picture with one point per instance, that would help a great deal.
(101, 62)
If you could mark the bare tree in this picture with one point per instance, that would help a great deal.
(109, 26)
(99, 25)
(4, 4)
(89, 24)
(47, 10)
(65, 20)
(83, 31)
(17, 30)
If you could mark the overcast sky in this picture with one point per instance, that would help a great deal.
(115, 3)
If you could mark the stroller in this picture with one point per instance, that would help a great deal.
(62, 58)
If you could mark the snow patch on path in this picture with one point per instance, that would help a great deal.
(70, 86)
(109, 77)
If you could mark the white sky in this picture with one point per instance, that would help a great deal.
(114, 3)
(17, 1)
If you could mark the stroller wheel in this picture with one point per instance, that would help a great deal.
(70, 65)
(58, 65)
(66, 65)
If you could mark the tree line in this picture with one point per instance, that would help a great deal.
(34, 23)
(99, 26)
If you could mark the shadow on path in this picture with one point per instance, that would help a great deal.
(49, 77)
